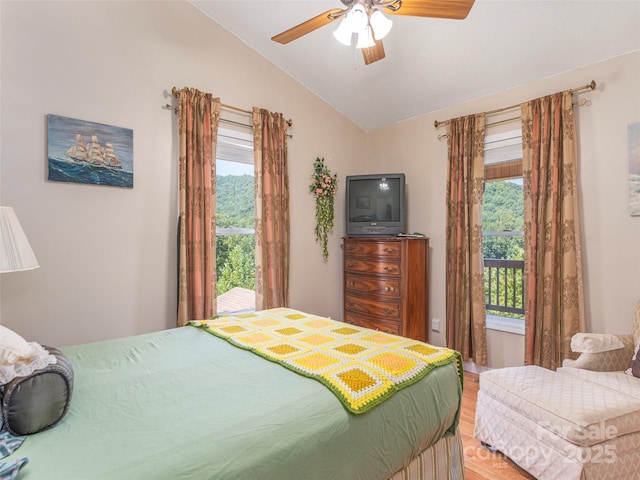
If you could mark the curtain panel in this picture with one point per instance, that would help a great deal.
(553, 255)
(198, 127)
(271, 209)
(465, 299)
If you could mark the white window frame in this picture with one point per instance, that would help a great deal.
(234, 146)
(502, 148)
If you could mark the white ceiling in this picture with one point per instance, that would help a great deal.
(431, 63)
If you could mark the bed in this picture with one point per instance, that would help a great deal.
(187, 404)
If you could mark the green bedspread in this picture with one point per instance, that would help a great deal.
(183, 404)
(362, 367)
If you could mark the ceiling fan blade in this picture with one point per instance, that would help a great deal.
(456, 9)
(373, 54)
(306, 27)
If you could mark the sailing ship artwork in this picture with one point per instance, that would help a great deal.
(80, 151)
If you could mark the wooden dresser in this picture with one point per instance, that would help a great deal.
(386, 284)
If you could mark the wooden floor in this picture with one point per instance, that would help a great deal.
(481, 463)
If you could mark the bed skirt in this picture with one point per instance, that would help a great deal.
(442, 461)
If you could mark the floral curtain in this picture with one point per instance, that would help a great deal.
(198, 127)
(271, 209)
(465, 302)
(553, 272)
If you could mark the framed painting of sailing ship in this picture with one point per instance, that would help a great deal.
(86, 152)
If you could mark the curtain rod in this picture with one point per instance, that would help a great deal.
(176, 93)
(589, 86)
(176, 110)
(579, 103)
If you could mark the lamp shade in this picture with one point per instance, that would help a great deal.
(365, 39)
(381, 25)
(358, 19)
(15, 251)
(343, 33)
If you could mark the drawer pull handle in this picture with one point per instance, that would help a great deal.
(350, 265)
(350, 283)
(389, 289)
(387, 268)
(389, 250)
(389, 311)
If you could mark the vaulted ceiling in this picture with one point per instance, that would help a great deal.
(434, 63)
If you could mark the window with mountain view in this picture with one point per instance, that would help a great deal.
(235, 239)
(503, 227)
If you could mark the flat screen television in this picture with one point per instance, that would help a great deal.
(375, 204)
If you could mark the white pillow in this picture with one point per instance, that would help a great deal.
(12, 346)
(19, 358)
(595, 342)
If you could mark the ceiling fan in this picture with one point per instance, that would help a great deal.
(365, 19)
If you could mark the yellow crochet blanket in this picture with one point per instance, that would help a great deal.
(362, 367)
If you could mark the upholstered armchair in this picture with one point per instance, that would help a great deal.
(605, 352)
(555, 424)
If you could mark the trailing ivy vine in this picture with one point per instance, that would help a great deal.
(323, 187)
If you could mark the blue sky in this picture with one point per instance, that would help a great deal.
(224, 168)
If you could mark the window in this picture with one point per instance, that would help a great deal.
(235, 241)
(503, 232)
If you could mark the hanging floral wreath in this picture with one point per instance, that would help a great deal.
(323, 187)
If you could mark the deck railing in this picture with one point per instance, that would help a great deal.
(504, 285)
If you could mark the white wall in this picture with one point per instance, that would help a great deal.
(611, 238)
(108, 255)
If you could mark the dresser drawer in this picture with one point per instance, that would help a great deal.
(383, 286)
(382, 249)
(374, 323)
(371, 266)
(386, 284)
(390, 309)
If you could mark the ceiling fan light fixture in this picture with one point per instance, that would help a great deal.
(358, 19)
(367, 19)
(343, 33)
(381, 25)
(365, 39)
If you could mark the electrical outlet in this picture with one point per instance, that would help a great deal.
(435, 324)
